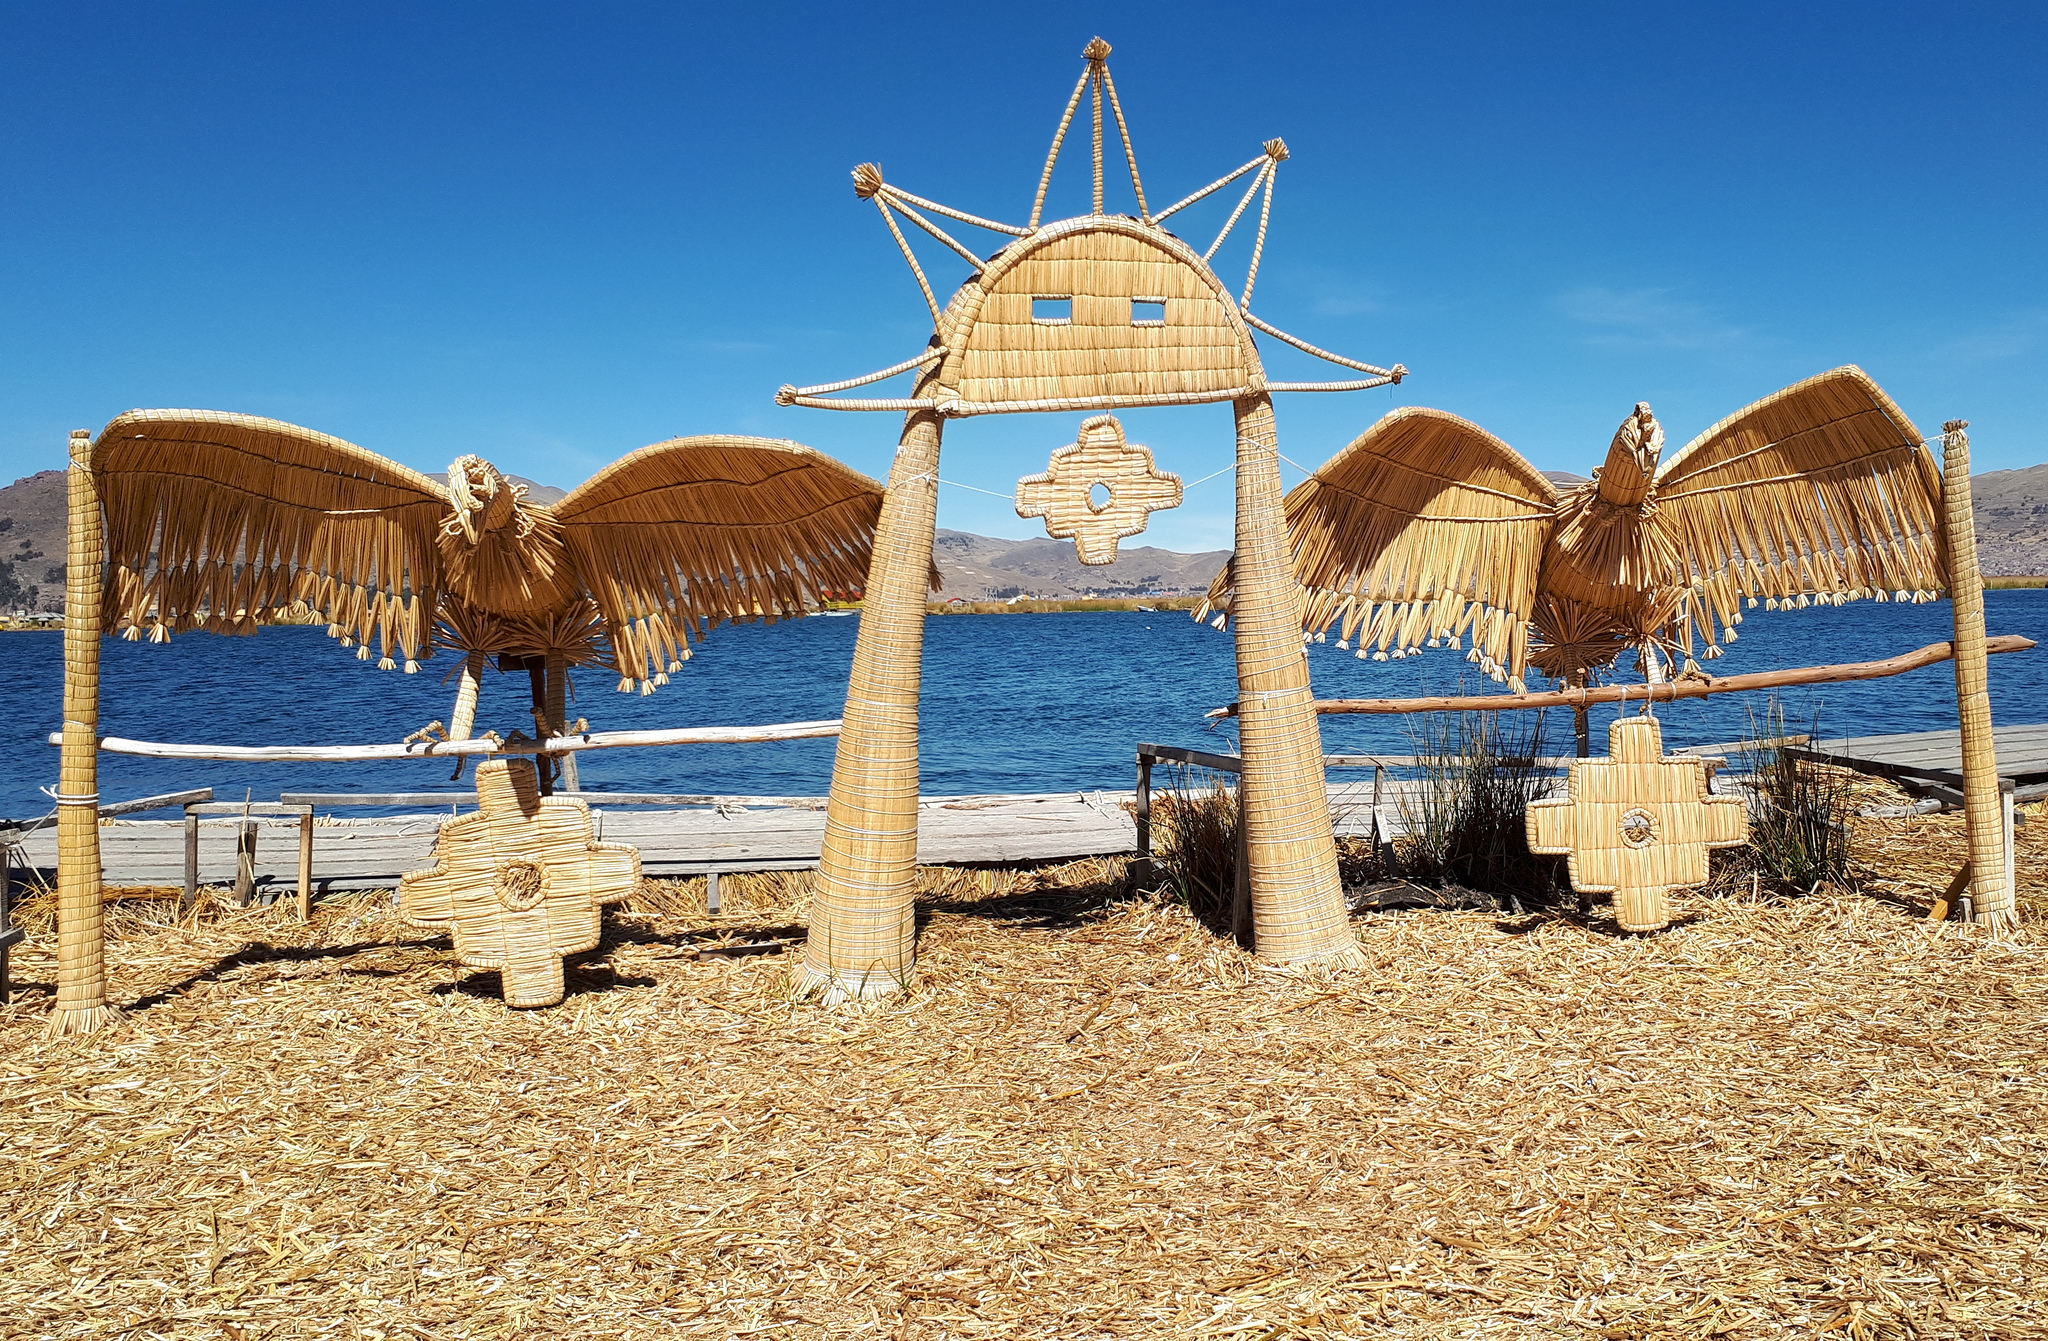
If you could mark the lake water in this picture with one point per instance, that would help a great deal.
(1024, 703)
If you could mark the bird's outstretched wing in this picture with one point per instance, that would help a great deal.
(221, 521)
(1427, 528)
(697, 530)
(1822, 492)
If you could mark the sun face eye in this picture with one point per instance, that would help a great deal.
(1052, 309)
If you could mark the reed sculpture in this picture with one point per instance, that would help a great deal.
(1429, 531)
(520, 882)
(1637, 824)
(225, 522)
(1093, 313)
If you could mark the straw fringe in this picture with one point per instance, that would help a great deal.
(687, 533)
(1820, 491)
(223, 521)
(1425, 528)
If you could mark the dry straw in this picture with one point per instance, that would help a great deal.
(1092, 1117)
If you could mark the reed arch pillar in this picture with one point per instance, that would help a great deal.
(862, 938)
(1298, 911)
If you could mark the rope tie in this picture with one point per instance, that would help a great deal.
(90, 799)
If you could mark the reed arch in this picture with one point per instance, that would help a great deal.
(1094, 347)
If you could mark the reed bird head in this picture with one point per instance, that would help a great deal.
(482, 498)
(1632, 458)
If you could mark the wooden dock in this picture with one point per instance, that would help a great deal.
(1930, 763)
(373, 853)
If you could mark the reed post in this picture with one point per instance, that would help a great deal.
(1991, 897)
(1297, 899)
(861, 942)
(81, 943)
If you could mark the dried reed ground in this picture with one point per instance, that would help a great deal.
(1088, 1118)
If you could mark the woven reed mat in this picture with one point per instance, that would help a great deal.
(1063, 495)
(520, 882)
(1637, 824)
(1089, 1118)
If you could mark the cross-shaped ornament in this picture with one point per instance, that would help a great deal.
(520, 883)
(1637, 824)
(1133, 489)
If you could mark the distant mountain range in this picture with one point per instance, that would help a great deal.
(2012, 540)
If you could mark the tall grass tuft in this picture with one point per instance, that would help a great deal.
(1466, 820)
(1797, 842)
(1194, 841)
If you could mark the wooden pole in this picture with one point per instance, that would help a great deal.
(1991, 898)
(1141, 868)
(1931, 655)
(81, 943)
(537, 682)
(191, 895)
(1290, 849)
(558, 718)
(595, 740)
(863, 925)
(306, 866)
(245, 862)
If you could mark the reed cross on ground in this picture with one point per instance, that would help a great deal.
(1090, 1116)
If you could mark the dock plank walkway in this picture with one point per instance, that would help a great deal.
(1936, 757)
(373, 853)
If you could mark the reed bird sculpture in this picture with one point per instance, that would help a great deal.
(225, 522)
(1429, 531)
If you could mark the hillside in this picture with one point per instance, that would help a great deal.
(2012, 539)
(978, 567)
(2012, 520)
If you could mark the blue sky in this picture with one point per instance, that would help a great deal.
(551, 234)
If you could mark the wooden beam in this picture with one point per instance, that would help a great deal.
(1930, 655)
(442, 749)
